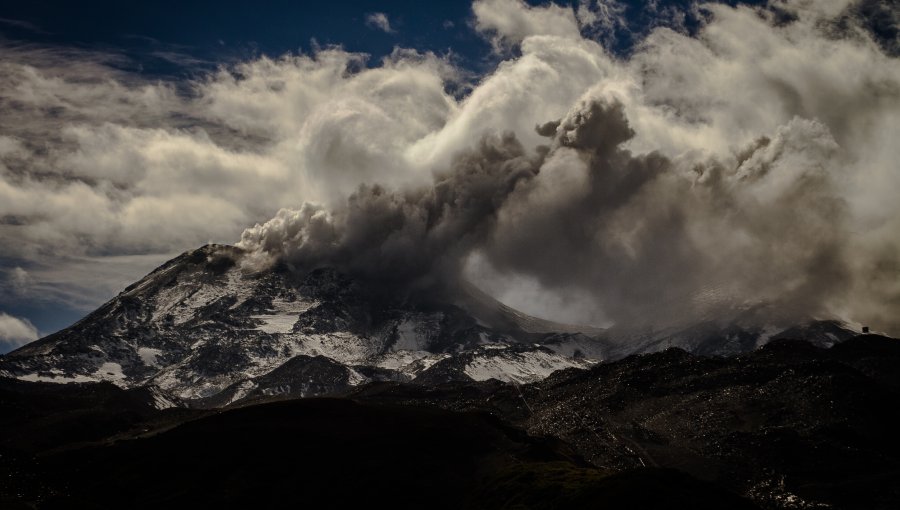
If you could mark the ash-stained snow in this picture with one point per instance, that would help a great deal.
(188, 385)
(182, 302)
(426, 362)
(276, 324)
(343, 347)
(112, 372)
(416, 332)
(518, 367)
(409, 362)
(355, 378)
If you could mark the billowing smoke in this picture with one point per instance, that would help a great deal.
(403, 238)
(654, 237)
(641, 234)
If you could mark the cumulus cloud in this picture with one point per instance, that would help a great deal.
(92, 163)
(509, 22)
(15, 332)
(379, 21)
(607, 15)
(752, 161)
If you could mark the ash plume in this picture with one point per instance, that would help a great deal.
(403, 238)
(641, 233)
(649, 236)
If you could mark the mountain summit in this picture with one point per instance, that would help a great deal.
(200, 327)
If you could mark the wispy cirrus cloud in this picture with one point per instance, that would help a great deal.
(379, 21)
(23, 25)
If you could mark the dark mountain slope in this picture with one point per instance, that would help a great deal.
(323, 453)
(787, 424)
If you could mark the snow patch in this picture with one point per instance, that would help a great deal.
(519, 367)
(111, 372)
(408, 338)
(399, 359)
(416, 332)
(343, 347)
(276, 324)
(148, 356)
(183, 300)
(410, 363)
(284, 317)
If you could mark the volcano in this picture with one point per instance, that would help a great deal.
(203, 329)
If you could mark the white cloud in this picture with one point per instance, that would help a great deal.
(80, 177)
(15, 332)
(380, 21)
(509, 22)
(601, 14)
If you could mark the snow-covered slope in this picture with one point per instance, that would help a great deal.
(200, 327)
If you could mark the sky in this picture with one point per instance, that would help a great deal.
(747, 150)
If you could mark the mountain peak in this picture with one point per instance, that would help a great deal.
(203, 323)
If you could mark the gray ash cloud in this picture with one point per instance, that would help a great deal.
(411, 237)
(642, 234)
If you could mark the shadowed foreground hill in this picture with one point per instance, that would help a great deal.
(328, 453)
(789, 424)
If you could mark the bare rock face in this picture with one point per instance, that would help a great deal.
(790, 425)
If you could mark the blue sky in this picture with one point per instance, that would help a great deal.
(220, 31)
(226, 30)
